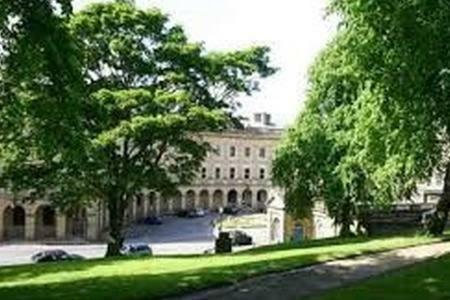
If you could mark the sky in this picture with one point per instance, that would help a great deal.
(295, 30)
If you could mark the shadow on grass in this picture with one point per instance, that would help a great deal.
(425, 280)
(156, 286)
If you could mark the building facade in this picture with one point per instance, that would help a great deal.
(237, 173)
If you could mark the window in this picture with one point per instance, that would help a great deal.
(232, 173)
(232, 151)
(262, 173)
(247, 173)
(262, 152)
(248, 152)
(217, 173)
(204, 173)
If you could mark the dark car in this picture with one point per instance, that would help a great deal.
(240, 238)
(183, 213)
(152, 220)
(54, 255)
(136, 250)
(230, 210)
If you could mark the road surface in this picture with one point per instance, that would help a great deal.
(174, 236)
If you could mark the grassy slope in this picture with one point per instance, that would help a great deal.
(429, 280)
(151, 278)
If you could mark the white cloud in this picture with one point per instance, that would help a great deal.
(296, 30)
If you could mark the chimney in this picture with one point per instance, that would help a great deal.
(262, 119)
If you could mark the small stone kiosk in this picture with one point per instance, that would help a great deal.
(283, 227)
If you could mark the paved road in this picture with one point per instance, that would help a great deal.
(311, 281)
(174, 236)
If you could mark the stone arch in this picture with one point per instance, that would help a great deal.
(14, 223)
(77, 223)
(232, 198)
(204, 199)
(261, 200)
(276, 231)
(190, 199)
(177, 202)
(152, 203)
(140, 207)
(45, 220)
(164, 205)
(247, 198)
(217, 199)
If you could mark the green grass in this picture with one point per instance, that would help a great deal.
(428, 280)
(150, 278)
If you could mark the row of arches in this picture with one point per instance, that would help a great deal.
(206, 200)
(19, 222)
(42, 223)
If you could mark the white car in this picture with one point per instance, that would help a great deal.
(196, 213)
(136, 250)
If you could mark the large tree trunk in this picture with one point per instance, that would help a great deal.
(116, 218)
(436, 224)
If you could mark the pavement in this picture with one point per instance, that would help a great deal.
(174, 236)
(314, 280)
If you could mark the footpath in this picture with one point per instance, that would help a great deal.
(310, 281)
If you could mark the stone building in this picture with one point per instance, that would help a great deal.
(237, 173)
(283, 227)
(40, 221)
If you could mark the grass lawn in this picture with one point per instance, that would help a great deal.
(428, 280)
(152, 278)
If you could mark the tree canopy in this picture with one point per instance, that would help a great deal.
(381, 86)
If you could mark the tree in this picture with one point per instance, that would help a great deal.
(41, 83)
(313, 163)
(402, 48)
(148, 93)
(384, 87)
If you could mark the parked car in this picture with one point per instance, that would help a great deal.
(240, 238)
(54, 255)
(183, 213)
(230, 210)
(196, 213)
(136, 250)
(152, 220)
